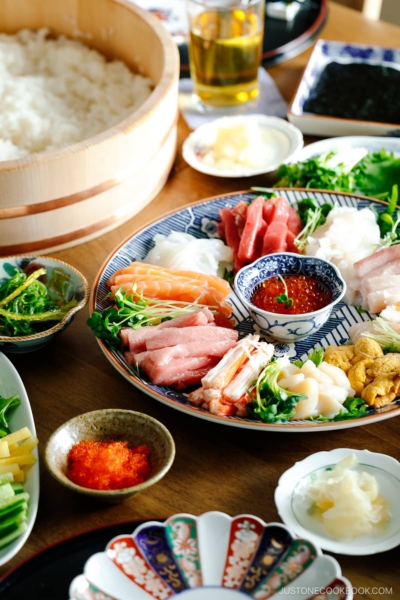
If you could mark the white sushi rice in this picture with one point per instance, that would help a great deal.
(55, 92)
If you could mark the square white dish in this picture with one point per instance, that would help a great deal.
(325, 52)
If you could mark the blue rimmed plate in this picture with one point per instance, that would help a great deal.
(201, 220)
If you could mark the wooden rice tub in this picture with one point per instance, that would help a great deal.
(61, 198)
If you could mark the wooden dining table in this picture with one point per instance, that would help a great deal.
(216, 467)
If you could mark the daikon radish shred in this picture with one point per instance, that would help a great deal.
(347, 502)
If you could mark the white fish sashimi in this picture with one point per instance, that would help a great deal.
(348, 235)
(392, 313)
(379, 300)
(183, 252)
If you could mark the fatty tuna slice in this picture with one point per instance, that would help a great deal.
(174, 372)
(163, 356)
(172, 337)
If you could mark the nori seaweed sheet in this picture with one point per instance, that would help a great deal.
(357, 91)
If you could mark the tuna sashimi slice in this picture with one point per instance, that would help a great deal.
(376, 260)
(231, 236)
(275, 238)
(294, 222)
(163, 356)
(290, 245)
(130, 337)
(184, 335)
(253, 224)
(191, 378)
(173, 372)
(280, 211)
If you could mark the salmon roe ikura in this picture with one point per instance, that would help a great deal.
(108, 465)
(303, 293)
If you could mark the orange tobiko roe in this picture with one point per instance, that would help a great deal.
(108, 465)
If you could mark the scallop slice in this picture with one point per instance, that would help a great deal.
(288, 370)
(289, 383)
(331, 398)
(339, 377)
(310, 370)
(308, 407)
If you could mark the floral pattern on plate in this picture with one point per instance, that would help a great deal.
(241, 554)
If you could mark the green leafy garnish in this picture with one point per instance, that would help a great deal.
(284, 297)
(387, 337)
(312, 216)
(271, 403)
(134, 310)
(356, 171)
(316, 355)
(266, 192)
(229, 276)
(356, 407)
(360, 310)
(6, 404)
(27, 304)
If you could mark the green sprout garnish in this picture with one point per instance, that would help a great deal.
(284, 297)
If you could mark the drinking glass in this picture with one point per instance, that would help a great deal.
(225, 52)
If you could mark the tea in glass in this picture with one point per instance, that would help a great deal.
(225, 51)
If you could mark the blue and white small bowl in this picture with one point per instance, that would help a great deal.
(76, 287)
(289, 328)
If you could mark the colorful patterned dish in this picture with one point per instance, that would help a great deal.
(201, 220)
(228, 558)
(10, 384)
(383, 467)
(328, 51)
(78, 288)
(289, 328)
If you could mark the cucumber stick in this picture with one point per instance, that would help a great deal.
(13, 509)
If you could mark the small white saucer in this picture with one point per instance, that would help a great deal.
(288, 141)
(387, 472)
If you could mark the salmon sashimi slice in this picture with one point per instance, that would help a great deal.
(377, 260)
(142, 269)
(179, 292)
(185, 335)
(219, 377)
(173, 372)
(164, 356)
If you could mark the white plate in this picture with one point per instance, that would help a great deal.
(387, 472)
(325, 52)
(342, 144)
(289, 141)
(10, 384)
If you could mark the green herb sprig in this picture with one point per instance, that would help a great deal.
(134, 310)
(284, 297)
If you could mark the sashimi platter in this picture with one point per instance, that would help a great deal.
(264, 309)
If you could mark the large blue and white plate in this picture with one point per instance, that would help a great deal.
(201, 220)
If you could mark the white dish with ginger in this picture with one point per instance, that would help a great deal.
(242, 145)
(380, 484)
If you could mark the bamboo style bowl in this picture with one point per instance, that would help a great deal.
(61, 198)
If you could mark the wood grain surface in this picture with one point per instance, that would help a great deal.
(216, 467)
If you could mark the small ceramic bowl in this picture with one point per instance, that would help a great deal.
(74, 286)
(116, 425)
(294, 510)
(289, 328)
